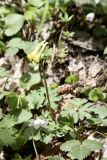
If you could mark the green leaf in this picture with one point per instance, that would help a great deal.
(21, 115)
(16, 101)
(36, 3)
(13, 23)
(75, 117)
(105, 158)
(68, 145)
(32, 133)
(12, 51)
(100, 110)
(93, 144)
(18, 157)
(66, 18)
(14, 42)
(105, 50)
(7, 137)
(3, 72)
(76, 149)
(104, 122)
(2, 47)
(37, 136)
(8, 122)
(72, 79)
(29, 79)
(4, 10)
(54, 97)
(20, 141)
(78, 101)
(100, 30)
(24, 116)
(78, 109)
(3, 93)
(1, 115)
(104, 6)
(83, 114)
(30, 13)
(80, 150)
(27, 46)
(48, 138)
(96, 94)
(96, 121)
(35, 99)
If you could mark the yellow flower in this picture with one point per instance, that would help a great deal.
(36, 54)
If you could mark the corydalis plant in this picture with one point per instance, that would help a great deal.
(36, 57)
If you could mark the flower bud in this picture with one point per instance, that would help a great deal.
(90, 17)
(38, 123)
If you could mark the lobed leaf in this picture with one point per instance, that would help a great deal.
(80, 150)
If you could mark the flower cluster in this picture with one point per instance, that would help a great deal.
(36, 54)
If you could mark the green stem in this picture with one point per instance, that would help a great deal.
(57, 5)
(35, 149)
(60, 36)
(47, 92)
(43, 16)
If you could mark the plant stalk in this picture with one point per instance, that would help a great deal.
(47, 92)
(35, 149)
(46, 7)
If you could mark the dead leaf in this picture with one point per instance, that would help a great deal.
(94, 69)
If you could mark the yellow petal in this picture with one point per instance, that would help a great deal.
(36, 50)
(37, 58)
(36, 54)
(43, 47)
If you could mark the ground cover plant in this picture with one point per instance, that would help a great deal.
(53, 80)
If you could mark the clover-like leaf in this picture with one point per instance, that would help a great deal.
(96, 94)
(13, 23)
(12, 51)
